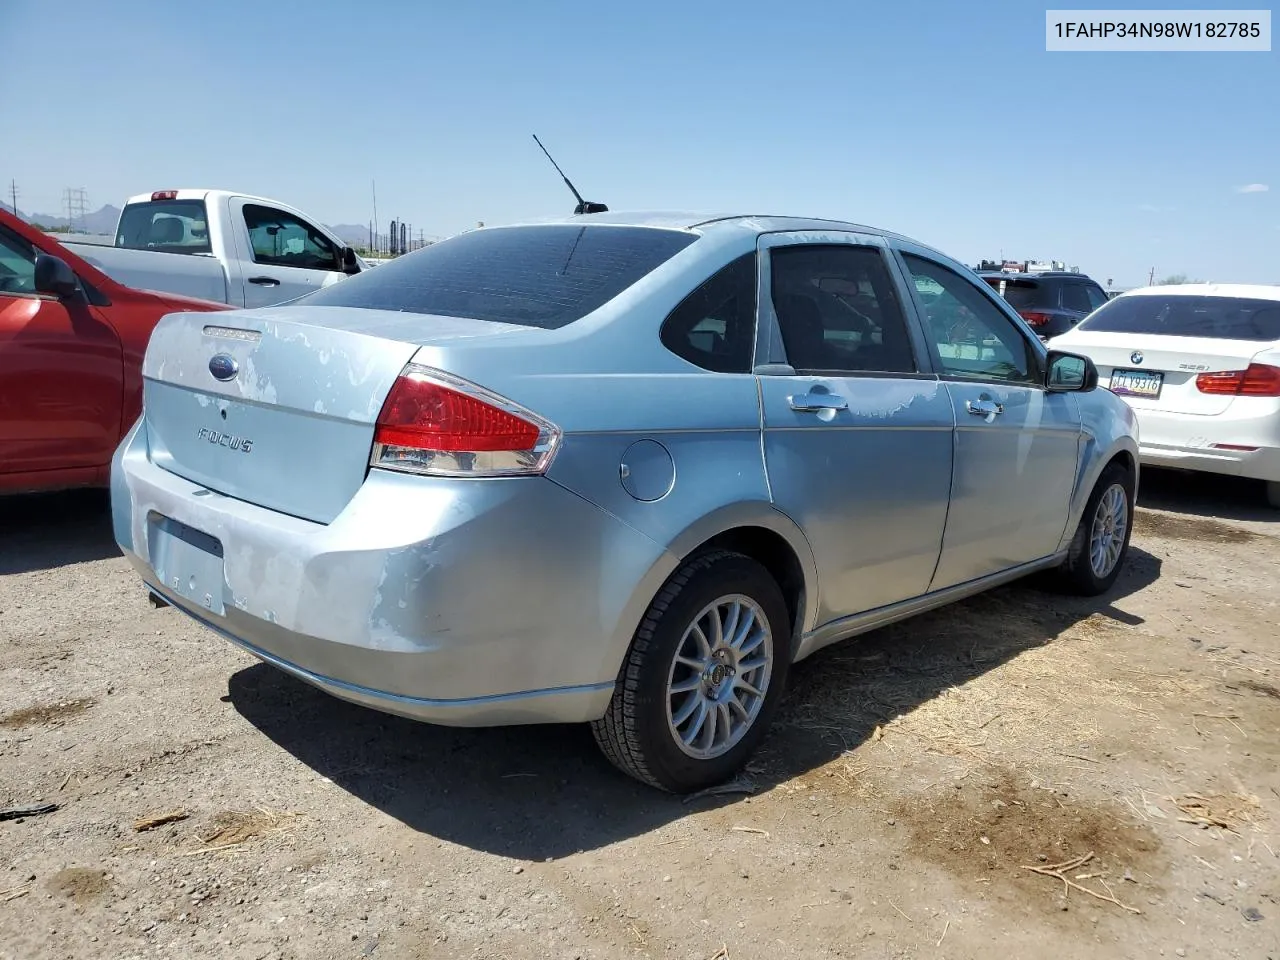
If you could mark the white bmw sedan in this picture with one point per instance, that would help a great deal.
(1200, 365)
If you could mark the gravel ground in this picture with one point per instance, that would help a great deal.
(1024, 773)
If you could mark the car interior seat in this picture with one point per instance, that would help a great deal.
(803, 335)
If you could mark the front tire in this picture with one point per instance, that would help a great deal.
(1101, 544)
(703, 676)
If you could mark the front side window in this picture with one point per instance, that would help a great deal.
(280, 239)
(715, 326)
(838, 310)
(17, 264)
(973, 337)
(535, 276)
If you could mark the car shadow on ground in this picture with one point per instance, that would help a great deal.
(43, 531)
(1206, 495)
(542, 792)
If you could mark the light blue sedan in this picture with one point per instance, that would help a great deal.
(616, 469)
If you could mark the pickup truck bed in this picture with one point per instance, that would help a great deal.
(188, 274)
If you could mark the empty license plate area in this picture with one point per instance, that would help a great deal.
(1136, 383)
(187, 561)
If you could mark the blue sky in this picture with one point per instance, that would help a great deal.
(945, 121)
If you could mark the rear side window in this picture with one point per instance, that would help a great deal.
(838, 310)
(1227, 318)
(171, 226)
(715, 326)
(1075, 297)
(534, 276)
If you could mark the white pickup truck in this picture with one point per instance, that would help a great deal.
(217, 245)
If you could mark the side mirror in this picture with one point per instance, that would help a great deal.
(1069, 373)
(350, 264)
(55, 278)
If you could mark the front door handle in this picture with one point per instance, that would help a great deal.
(810, 402)
(984, 408)
(265, 281)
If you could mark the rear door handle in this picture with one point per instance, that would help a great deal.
(984, 408)
(810, 402)
(265, 281)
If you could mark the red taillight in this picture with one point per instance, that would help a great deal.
(1257, 380)
(434, 423)
(165, 195)
(1034, 317)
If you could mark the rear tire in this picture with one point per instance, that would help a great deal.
(703, 677)
(1273, 493)
(1101, 543)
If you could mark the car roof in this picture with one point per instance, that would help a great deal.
(1255, 291)
(1035, 275)
(705, 222)
(209, 196)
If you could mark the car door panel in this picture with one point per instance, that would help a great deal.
(860, 459)
(271, 239)
(868, 485)
(1014, 475)
(61, 386)
(1017, 446)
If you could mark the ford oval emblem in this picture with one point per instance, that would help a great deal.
(1135, 357)
(223, 366)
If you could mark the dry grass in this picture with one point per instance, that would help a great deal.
(984, 680)
(233, 827)
(1227, 811)
(158, 820)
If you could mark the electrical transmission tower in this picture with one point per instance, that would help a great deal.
(75, 200)
(13, 196)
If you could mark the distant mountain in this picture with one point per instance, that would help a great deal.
(355, 234)
(100, 221)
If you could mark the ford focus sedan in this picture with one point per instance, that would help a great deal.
(622, 470)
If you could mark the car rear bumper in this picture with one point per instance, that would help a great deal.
(468, 603)
(1205, 444)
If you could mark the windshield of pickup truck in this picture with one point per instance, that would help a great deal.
(170, 226)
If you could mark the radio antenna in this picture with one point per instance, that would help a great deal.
(584, 206)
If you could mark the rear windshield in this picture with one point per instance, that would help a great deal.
(1227, 318)
(1020, 294)
(536, 276)
(172, 226)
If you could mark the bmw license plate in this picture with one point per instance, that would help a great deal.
(188, 562)
(1136, 383)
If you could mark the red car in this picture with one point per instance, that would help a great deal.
(71, 346)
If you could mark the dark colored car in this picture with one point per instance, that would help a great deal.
(1051, 302)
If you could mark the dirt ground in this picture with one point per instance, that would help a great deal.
(1021, 775)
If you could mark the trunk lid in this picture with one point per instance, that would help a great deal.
(290, 425)
(1159, 373)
